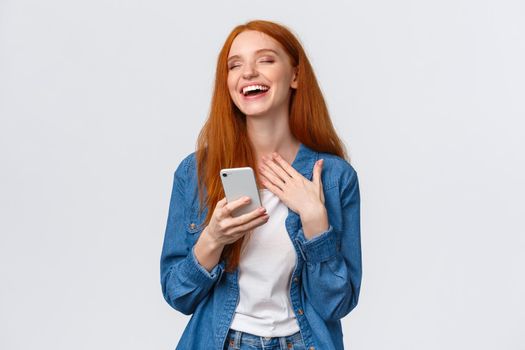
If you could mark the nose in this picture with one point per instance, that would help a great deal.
(249, 71)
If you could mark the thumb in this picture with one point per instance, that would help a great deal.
(222, 202)
(317, 172)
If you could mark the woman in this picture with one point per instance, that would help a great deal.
(283, 275)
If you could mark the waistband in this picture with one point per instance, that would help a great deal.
(236, 338)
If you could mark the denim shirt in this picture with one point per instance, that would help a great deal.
(325, 282)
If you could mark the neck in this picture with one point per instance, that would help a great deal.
(272, 134)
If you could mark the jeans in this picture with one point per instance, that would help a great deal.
(237, 340)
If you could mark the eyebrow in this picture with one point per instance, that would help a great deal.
(258, 51)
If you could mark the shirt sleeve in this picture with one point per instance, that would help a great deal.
(332, 272)
(185, 283)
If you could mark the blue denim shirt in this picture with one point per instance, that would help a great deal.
(326, 280)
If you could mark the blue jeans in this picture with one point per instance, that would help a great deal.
(237, 340)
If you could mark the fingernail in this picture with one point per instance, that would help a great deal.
(262, 210)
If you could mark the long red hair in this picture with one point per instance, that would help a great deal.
(223, 140)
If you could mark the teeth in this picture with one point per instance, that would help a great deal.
(254, 87)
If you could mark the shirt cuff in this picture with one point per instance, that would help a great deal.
(320, 248)
(196, 273)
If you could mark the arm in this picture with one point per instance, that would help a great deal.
(332, 272)
(184, 281)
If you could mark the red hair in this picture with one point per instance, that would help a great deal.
(223, 140)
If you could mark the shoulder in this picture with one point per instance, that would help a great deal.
(185, 165)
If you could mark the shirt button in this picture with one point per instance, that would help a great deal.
(296, 279)
(311, 348)
(300, 311)
(192, 225)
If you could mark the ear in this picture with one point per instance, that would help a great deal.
(294, 82)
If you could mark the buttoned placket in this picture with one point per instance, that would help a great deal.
(292, 223)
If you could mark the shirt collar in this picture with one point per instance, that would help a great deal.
(305, 160)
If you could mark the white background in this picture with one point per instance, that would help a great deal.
(101, 100)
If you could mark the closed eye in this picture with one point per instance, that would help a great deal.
(263, 61)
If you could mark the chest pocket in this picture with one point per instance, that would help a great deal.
(193, 221)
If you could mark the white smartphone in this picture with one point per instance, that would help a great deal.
(240, 182)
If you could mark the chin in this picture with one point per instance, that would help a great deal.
(255, 111)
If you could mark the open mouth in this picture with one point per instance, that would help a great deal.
(255, 91)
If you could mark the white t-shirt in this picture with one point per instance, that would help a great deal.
(266, 265)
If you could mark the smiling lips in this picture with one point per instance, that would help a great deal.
(254, 91)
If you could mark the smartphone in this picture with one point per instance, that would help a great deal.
(240, 182)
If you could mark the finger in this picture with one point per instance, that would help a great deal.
(318, 167)
(321, 190)
(274, 189)
(245, 218)
(271, 177)
(286, 166)
(231, 206)
(249, 225)
(276, 170)
(221, 203)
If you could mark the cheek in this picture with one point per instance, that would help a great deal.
(281, 77)
(231, 85)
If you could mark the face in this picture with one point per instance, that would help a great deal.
(257, 62)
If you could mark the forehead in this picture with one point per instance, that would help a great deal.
(248, 42)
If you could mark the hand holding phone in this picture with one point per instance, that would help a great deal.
(240, 211)
(239, 182)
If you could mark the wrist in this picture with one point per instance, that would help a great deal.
(313, 212)
(314, 222)
(209, 241)
(207, 251)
